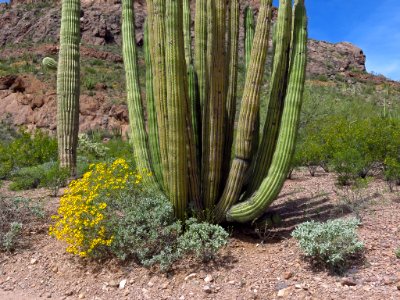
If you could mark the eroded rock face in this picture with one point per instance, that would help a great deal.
(330, 59)
(101, 25)
(35, 106)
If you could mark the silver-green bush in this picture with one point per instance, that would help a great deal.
(332, 242)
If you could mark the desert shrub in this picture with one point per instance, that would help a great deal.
(89, 147)
(331, 243)
(202, 239)
(110, 211)
(45, 175)
(26, 150)
(14, 214)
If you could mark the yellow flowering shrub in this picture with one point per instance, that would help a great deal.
(82, 216)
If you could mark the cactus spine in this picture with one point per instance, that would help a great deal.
(68, 85)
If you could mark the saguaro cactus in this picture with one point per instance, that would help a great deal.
(205, 185)
(68, 84)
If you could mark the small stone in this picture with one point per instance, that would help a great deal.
(81, 296)
(208, 278)
(122, 284)
(283, 292)
(34, 261)
(207, 289)
(288, 275)
(150, 283)
(113, 283)
(398, 287)
(190, 276)
(232, 282)
(182, 297)
(348, 282)
(165, 285)
(298, 286)
(69, 293)
(55, 269)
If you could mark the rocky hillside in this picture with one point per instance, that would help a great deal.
(35, 21)
(29, 31)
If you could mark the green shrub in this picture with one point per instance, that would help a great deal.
(14, 214)
(89, 147)
(26, 150)
(202, 239)
(110, 211)
(45, 175)
(11, 237)
(331, 243)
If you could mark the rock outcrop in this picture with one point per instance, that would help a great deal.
(39, 22)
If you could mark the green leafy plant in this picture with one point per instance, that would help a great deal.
(11, 237)
(202, 239)
(14, 214)
(331, 243)
(397, 253)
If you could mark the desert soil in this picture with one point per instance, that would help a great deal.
(252, 266)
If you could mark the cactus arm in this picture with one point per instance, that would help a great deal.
(200, 50)
(151, 109)
(192, 140)
(272, 184)
(49, 63)
(232, 83)
(177, 103)
(215, 117)
(68, 85)
(249, 31)
(135, 108)
(277, 93)
(156, 14)
(248, 112)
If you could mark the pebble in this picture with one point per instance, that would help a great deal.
(283, 292)
(113, 283)
(122, 283)
(81, 296)
(348, 282)
(33, 261)
(165, 285)
(207, 289)
(208, 278)
(190, 276)
(288, 275)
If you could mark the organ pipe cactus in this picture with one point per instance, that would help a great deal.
(68, 84)
(195, 150)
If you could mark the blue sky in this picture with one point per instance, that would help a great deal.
(372, 25)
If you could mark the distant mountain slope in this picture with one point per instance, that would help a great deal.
(30, 21)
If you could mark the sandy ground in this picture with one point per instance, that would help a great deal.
(252, 266)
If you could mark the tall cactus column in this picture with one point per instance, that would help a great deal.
(68, 85)
(272, 184)
(248, 112)
(135, 108)
(177, 106)
(214, 112)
